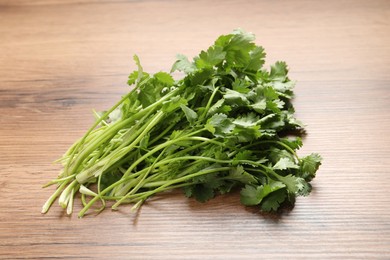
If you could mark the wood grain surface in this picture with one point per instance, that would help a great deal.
(61, 59)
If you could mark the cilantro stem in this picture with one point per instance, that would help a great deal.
(83, 176)
(207, 108)
(163, 145)
(183, 179)
(110, 133)
(54, 196)
(163, 186)
(142, 177)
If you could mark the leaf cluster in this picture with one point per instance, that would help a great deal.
(228, 123)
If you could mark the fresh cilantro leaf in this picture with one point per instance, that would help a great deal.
(109, 178)
(309, 166)
(136, 76)
(132, 78)
(294, 184)
(283, 86)
(190, 114)
(285, 163)
(243, 155)
(201, 77)
(247, 134)
(293, 142)
(202, 193)
(240, 175)
(279, 71)
(253, 195)
(241, 86)
(276, 154)
(235, 98)
(163, 78)
(256, 61)
(238, 49)
(273, 201)
(183, 64)
(173, 104)
(219, 107)
(247, 120)
(259, 105)
(211, 58)
(219, 125)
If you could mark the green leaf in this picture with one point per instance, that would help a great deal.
(253, 195)
(132, 78)
(291, 121)
(139, 75)
(274, 200)
(309, 166)
(182, 64)
(285, 163)
(211, 58)
(219, 107)
(247, 120)
(149, 93)
(239, 174)
(164, 78)
(214, 108)
(190, 114)
(283, 86)
(188, 191)
(235, 98)
(244, 155)
(201, 77)
(130, 105)
(259, 105)
(294, 184)
(173, 104)
(275, 154)
(223, 40)
(220, 125)
(109, 178)
(241, 85)
(256, 61)
(136, 76)
(238, 49)
(202, 193)
(247, 134)
(279, 71)
(293, 142)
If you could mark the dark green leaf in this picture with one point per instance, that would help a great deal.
(253, 195)
(273, 201)
(309, 166)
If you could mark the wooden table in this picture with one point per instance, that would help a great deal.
(61, 59)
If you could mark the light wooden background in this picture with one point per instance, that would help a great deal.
(61, 59)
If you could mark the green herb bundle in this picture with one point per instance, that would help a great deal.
(228, 123)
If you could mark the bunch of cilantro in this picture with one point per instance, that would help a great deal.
(228, 123)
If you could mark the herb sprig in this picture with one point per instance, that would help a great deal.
(227, 123)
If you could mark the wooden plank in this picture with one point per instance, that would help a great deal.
(61, 59)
